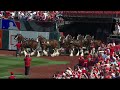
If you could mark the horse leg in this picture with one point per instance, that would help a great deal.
(45, 52)
(57, 52)
(38, 54)
(82, 52)
(71, 52)
(25, 53)
(53, 54)
(78, 53)
(33, 53)
(93, 50)
(22, 51)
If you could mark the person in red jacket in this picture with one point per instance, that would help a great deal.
(27, 61)
(18, 45)
(112, 49)
(12, 76)
(85, 63)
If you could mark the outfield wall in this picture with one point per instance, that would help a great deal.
(8, 42)
(26, 34)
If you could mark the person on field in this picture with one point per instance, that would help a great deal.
(27, 61)
(12, 76)
(18, 46)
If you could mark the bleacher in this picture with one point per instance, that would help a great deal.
(91, 13)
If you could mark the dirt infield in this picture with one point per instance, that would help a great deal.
(45, 71)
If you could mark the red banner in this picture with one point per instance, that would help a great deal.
(17, 24)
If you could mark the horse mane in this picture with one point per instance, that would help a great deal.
(42, 37)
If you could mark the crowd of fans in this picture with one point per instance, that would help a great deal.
(102, 65)
(32, 15)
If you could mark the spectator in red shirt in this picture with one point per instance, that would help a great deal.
(18, 45)
(111, 50)
(12, 76)
(85, 63)
(27, 61)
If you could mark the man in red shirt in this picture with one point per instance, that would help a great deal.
(85, 63)
(12, 76)
(18, 45)
(27, 61)
(111, 50)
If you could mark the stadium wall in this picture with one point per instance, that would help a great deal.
(7, 41)
(26, 34)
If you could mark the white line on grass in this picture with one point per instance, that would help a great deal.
(9, 76)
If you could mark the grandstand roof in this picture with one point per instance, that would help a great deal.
(91, 13)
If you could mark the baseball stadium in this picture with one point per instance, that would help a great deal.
(59, 44)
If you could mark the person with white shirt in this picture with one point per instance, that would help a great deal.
(117, 28)
(45, 15)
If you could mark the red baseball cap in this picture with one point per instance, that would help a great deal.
(11, 73)
(27, 55)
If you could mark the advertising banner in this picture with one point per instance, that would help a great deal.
(12, 41)
(9, 24)
(26, 35)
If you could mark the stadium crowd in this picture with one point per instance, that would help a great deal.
(32, 15)
(102, 65)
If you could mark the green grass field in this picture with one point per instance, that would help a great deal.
(9, 63)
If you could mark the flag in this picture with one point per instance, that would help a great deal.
(18, 24)
(9, 24)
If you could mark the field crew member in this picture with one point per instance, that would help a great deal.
(18, 46)
(27, 61)
(12, 75)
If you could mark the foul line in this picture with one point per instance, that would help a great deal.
(9, 76)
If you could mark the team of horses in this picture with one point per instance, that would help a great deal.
(71, 45)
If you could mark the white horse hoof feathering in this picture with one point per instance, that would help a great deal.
(45, 53)
(53, 55)
(57, 53)
(25, 53)
(78, 53)
(38, 54)
(71, 53)
(32, 53)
